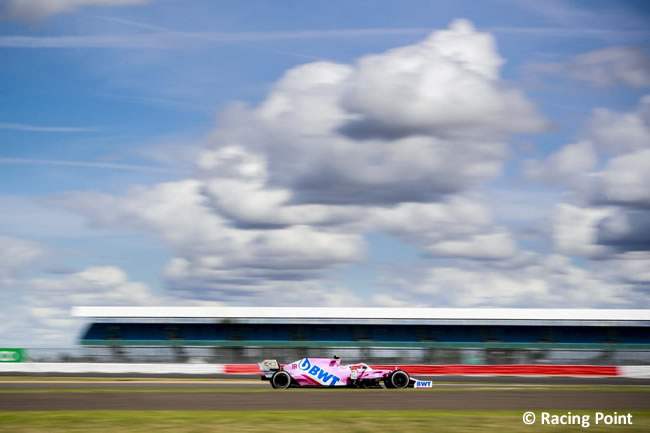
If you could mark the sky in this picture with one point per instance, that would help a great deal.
(289, 153)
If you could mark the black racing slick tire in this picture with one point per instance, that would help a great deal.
(281, 380)
(399, 379)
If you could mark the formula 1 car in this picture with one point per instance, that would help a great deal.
(329, 372)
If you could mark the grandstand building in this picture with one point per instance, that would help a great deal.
(429, 335)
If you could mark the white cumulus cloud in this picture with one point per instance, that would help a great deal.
(564, 165)
(412, 124)
(625, 180)
(285, 190)
(548, 280)
(575, 229)
(15, 254)
(214, 257)
(393, 143)
(617, 133)
(447, 84)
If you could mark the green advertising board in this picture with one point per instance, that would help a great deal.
(12, 355)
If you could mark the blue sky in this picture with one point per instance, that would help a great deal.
(321, 153)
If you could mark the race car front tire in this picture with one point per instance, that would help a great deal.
(398, 379)
(281, 380)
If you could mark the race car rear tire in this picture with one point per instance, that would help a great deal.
(281, 380)
(399, 379)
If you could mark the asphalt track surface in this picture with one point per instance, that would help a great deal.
(242, 394)
(547, 380)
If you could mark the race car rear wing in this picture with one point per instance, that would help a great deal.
(268, 367)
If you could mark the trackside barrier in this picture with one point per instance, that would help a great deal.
(633, 371)
(637, 371)
(110, 368)
(464, 370)
(509, 370)
(241, 369)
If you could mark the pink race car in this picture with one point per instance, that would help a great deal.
(329, 372)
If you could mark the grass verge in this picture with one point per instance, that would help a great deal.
(293, 421)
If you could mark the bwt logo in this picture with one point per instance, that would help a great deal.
(305, 364)
(423, 384)
(318, 373)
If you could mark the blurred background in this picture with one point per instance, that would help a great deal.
(365, 154)
(193, 186)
